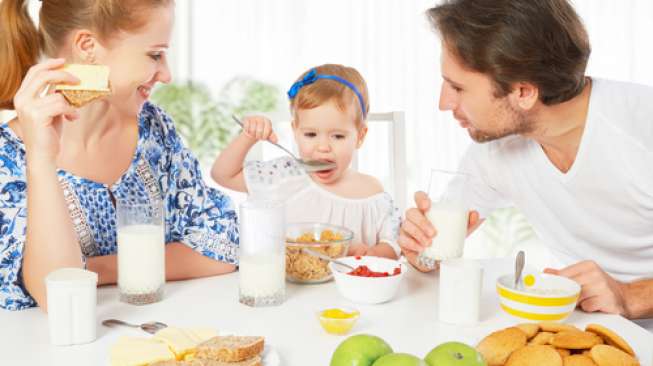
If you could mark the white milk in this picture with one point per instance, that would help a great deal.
(450, 222)
(141, 258)
(262, 275)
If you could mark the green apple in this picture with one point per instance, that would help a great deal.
(454, 354)
(360, 350)
(399, 359)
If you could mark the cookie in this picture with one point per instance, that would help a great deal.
(535, 356)
(541, 338)
(575, 340)
(604, 355)
(530, 329)
(563, 352)
(577, 360)
(556, 327)
(610, 337)
(499, 345)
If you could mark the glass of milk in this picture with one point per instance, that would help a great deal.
(262, 268)
(448, 214)
(141, 251)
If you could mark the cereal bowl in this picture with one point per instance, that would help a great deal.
(541, 297)
(368, 290)
(329, 240)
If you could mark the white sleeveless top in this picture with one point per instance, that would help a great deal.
(373, 220)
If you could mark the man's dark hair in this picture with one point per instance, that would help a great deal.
(542, 42)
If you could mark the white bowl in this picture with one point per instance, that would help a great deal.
(368, 290)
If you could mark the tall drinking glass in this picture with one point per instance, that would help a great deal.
(262, 268)
(448, 214)
(141, 252)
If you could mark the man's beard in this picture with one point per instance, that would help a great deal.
(518, 124)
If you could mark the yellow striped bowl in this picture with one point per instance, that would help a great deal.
(549, 298)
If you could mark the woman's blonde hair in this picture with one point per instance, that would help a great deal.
(324, 90)
(21, 43)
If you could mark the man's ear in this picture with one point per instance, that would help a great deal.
(361, 136)
(85, 47)
(524, 96)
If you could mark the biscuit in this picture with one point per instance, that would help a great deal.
(575, 340)
(541, 338)
(563, 352)
(610, 338)
(530, 329)
(556, 327)
(577, 360)
(604, 355)
(499, 345)
(535, 356)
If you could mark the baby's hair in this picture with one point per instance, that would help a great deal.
(323, 91)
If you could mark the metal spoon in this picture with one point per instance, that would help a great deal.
(519, 267)
(149, 327)
(308, 165)
(326, 258)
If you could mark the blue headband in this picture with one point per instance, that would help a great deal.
(313, 76)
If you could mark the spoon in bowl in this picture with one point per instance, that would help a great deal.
(149, 327)
(519, 267)
(309, 165)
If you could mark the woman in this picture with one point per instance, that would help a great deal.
(62, 169)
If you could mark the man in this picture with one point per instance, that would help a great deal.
(573, 153)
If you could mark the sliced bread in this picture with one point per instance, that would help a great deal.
(254, 361)
(230, 348)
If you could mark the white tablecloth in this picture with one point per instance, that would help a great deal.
(408, 323)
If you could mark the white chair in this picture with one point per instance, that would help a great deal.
(383, 155)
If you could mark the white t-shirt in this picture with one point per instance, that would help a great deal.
(602, 208)
(373, 220)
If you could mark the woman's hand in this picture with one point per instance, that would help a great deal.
(41, 111)
(259, 128)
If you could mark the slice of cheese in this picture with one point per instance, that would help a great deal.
(184, 341)
(92, 77)
(129, 351)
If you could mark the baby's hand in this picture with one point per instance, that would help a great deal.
(259, 128)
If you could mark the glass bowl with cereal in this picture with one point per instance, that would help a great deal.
(330, 240)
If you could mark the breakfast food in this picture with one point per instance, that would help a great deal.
(187, 347)
(365, 271)
(577, 360)
(93, 84)
(230, 348)
(303, 267)
(611, 338)
(604, 355)
(556, 344)
(575, 340)
(539, 355)
(498, 346)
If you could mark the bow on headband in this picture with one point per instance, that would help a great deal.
(313, 76)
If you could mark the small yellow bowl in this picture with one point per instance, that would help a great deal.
(338, 320)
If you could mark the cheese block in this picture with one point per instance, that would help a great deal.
(184, 341)
(130, 351)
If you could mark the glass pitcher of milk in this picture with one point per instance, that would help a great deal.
(448, 214)
(262, 268)
(141, 251)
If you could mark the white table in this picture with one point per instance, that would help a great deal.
(408, 323)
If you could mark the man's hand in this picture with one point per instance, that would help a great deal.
(417, 233)
(599, 291)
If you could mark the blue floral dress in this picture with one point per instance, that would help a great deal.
(162, 169)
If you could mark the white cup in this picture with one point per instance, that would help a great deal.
(72, 298)
(460, 286)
